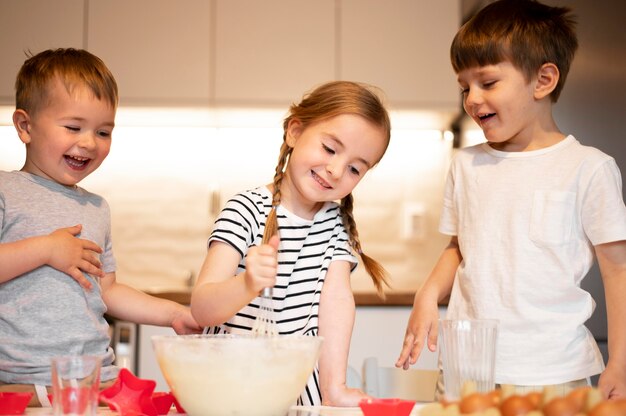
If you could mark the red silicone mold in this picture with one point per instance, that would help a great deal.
(130, 395)
(14, 403)
(179, 408)
(386, 407)
(133, 396)
(163, 402)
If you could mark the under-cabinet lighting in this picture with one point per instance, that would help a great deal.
(198, 117)
(6, 115)
(238, 117)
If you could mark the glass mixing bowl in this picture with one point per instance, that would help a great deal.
(234, 374)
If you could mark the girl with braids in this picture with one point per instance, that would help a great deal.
(331, 139)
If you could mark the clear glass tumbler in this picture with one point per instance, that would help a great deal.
(468, 352)
(75, 385)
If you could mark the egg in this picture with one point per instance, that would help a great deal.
(560, 406)
(475, 402)
(578, 397)
(516, 405)
(594, 396)
(535, 398)
(608, 408)
(495, 396)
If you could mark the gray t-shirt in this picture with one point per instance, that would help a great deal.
(45, 313)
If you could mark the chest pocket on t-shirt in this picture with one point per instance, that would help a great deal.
(552, 217)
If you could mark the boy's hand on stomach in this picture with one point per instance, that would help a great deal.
(74, 256)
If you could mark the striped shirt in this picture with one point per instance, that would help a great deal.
(307, 247)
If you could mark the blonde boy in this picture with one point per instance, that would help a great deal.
(57, 270)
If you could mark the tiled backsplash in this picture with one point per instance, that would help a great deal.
(164, 185)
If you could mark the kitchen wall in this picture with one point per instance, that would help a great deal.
(165, 184)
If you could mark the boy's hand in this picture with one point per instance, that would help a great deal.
(262, 265)
(423, 323)
(73, 256)
(612, 382)
(183, 323)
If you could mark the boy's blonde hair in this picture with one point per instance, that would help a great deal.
(74, 67)
(327, 101)
(524, 32)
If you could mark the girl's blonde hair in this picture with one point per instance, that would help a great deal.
(327, 101)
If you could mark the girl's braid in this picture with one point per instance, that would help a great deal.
(271, 224)
(374, 269)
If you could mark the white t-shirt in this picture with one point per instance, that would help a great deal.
(307, 247)
(526, 224)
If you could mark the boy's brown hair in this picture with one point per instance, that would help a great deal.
(524, 32)
(73, 67)
(327, 101)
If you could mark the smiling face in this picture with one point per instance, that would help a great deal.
(509, 108)
(499, 99)
(68, 137)
(328, 160)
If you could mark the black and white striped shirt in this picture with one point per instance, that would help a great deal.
(306, 250)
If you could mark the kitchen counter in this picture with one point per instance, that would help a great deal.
(294, 411)
(361, 298)
(337, 411)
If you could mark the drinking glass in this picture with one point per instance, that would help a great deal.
(75, 385)
(468, 354)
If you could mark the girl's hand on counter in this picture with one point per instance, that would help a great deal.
(343, 396)
(183, 323)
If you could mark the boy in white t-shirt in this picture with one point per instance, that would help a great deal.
(527, 212)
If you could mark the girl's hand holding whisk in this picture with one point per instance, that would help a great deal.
(262, 265)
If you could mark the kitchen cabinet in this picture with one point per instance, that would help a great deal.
(288, 47)
(270, 52)
(402, 47)
(158, 50)
(35, 25)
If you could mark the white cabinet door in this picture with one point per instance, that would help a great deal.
(270, 52)
(147, 364)
(35, 25)
(402, 46)
(158, 50)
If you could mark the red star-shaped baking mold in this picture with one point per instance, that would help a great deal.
(130, 395)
